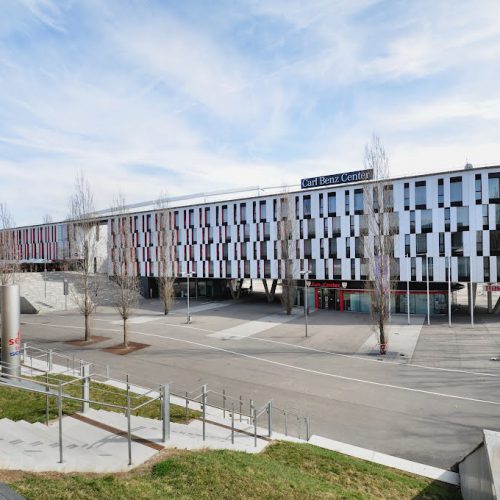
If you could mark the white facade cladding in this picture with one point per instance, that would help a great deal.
(444, 215)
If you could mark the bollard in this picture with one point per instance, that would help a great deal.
(269, 418)
(60, 413)
(50, 360)
(107, 372)
(232, 426)
(85, 371)
(255, 427)
(165, 399)
(129, 429)
(241, 408)
(47, 399)
(187, 407)
(251, 410)
(223, 403)
(204, 396)
(286, 423)
(308, 429)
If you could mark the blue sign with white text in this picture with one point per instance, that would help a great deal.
(332, 180)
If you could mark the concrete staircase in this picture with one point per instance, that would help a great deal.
(46, 291)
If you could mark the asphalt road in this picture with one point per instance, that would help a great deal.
(430, 409)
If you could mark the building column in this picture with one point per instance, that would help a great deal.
(490, 301)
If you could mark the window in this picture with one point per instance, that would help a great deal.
(347, 203)
(388, 198)
(311, 228)
(307, 249)
(348, 248)
(479, 191)
(412, 221)
(243, 213)
(207, 216)
(407, 245)
(263, 211)
(306, 206)
(440, 193)
(463, 269)
(479, 243)
(486, 222)
(353, 269)
(363, 225)
(263, 250)
(426, 221)
(336, 226)
(297, 213)
(413, 268)
(358, 201)
(325, 228)
(337, 269)
(332, 204)
(420, 195)
(351, 224)
(407, 195)
(176, 220)
(456, 191)
(375, 199)
(393, 223)
(463, 219)
(486, 269)
(441, 245)
(446, 219)
(497, 216)
(494, 187)
(421, 240)
(321, 212)
(358, 247)
(364, 269)
(247, 232)
(495, 242)
(224, 215)
(267, 231)
(332, 248)
(457, 244)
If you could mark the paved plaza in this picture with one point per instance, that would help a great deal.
(427, 401)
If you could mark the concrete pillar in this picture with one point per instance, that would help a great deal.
(11, 337)
(490, 301)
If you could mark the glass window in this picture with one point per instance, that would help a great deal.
(375, 199)
(412, 221)
(243, 213)
(456, 191)
(311, 228)
(479, 191)
(321, 205)
(332, 248)
(446, 219)
(388, 198)
(420, 195)
(267, 231)
(495, 242)
(307, 249)
(353, 269)
(325, 228)
(337, 268)
(363, 225)
(332, 204)
(457, 243)
(262, 207)
(463, 269)
(497, 216)
(407, 244)
(440, 193)
(306, 205)
(413, 268)
(358, 201)
(494, 187)
(347, 203)
(441, 245)
(297, 209)
(479, 243)
(351, 224)
(486, 221)
(486, 269)
(426, 221)
(393, 223)
(336, 226)
(348, 248)
(407, 195)
(462, 218)
(358, 247)
(421, 240)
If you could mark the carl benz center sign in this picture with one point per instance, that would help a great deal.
(332, 180)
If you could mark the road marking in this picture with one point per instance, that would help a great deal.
(293, 367)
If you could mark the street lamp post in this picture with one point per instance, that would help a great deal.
(408, 287)
(306, 276)
(449, 292)
(427, 276)
(188, 275)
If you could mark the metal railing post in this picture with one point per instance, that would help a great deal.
(107, 372)
(232, 426)
(47, 389)
(204, 399)
(85, 371)
(251, 410)
(241, 408)
(25, 345)
(60, 413)
(129, 430)
(269, 418)
(187, 407)
(298, 426)
(308, 429)
(165, 402)
(50, 360)
(286, 423)
(255, 427)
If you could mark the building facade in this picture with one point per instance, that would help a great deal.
(441, 220)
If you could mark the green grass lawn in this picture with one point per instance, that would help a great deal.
(18, 404)
(284, 470)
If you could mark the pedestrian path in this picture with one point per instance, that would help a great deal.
(250, 328)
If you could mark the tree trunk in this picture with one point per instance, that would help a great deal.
(125, 339)
(87, 328)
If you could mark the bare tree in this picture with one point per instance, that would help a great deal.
(287, 240)
(378, 241)
(47, 219)
(83, 233)
(8, 248)
(166, 257)
(124, 267)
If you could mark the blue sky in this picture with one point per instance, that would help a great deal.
(177, 97)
